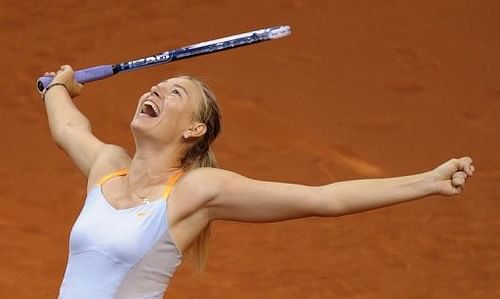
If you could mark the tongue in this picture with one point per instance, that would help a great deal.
(149, 111)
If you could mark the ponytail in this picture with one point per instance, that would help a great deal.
(198, 251)
(208, 160)
(200, 155)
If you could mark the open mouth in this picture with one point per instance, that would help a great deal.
(150, 109)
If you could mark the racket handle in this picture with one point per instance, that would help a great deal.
(81, 76)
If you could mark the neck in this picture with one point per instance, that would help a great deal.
(151, 166)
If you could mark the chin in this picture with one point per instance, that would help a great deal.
(136, 124)
(139, 126)
(144, 129)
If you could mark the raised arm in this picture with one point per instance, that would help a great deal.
(233, 197)
(70, 129)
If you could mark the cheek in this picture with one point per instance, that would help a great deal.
(173, 118)
(182, 111)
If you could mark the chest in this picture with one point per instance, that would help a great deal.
(124, 235)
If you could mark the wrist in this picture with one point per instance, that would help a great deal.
(430, 182)
(51, 86)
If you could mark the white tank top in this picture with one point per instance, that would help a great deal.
(125, 253)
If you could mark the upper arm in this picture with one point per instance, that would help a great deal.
(235, 197)
(81, 146)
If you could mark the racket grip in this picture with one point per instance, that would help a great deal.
(82, 76)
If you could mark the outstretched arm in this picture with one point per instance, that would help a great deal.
(234, 197)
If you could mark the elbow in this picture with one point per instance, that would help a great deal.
(326, 203)
(57, 134)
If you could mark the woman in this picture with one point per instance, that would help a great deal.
(128, 239)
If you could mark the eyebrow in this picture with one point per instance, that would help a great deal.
(177, 85)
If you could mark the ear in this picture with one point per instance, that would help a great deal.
(196, 130)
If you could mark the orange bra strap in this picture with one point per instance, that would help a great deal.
(105, 178)
(170, 184)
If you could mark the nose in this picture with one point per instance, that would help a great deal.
(155, 90)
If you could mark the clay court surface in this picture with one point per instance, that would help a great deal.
(361, 89)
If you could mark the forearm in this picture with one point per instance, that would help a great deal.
(62, 112)
(360, 195)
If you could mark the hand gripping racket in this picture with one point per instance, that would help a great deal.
(225, 43)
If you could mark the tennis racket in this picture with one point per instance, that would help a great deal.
(225, 43)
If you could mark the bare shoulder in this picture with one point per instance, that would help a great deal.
(211, 174)
(197, 182)
(192, 195)
(201, 185)
(110, 158)
(206, 180)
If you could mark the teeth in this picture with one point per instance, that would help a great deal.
(153, 105)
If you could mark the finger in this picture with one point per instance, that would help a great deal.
(61, 69)
(459, 177)
(459, 174)
(465, 164)
(66, 67)
(458, 180)
(455, 189)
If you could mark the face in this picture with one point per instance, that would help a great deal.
(167, 111)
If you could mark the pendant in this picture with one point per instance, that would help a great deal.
(146, 200)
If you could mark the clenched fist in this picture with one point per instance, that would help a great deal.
(450, 177)
(65, 75)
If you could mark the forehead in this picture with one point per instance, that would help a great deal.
(190, 87)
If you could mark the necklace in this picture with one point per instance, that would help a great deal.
(145, 198)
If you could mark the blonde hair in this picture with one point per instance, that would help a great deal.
(200, 155)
